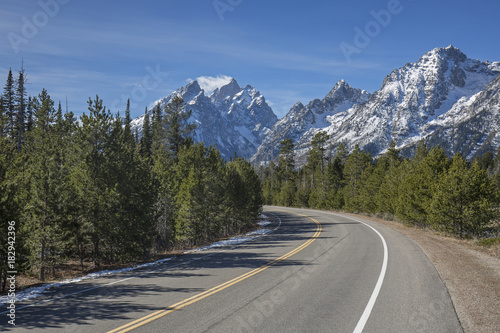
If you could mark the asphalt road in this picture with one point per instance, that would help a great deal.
(317, 272)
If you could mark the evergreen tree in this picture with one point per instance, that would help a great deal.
(2, 117)
(11, 166)
(146, 139)
(20, 107)
(47, 171)
(417, 189)
(9, 105)
(380, 190)
(315, 167)
(357, 163)
(130, 178)
(178, 131)
(164, 188)
(335, 178)
(465, 200)
(317, 155)
(286, 160)
(128, 135)
(93, 173)
(286, 165)
(29, 113)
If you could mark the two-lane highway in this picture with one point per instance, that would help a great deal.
(318, 272)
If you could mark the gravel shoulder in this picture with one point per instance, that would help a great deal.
(470, 272)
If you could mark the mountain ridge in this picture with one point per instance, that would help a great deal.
(403, 109)
(438, 98)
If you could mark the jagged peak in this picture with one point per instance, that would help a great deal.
(192, 88)
(340, 87)
(342, 90)
(449, 52)
(227, 91)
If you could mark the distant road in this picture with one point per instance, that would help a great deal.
(317, 272)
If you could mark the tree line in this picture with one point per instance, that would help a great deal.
(427, 190)
(91, 189)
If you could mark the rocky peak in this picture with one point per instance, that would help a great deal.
(445, 53)
(190, 91)
(226, 92)
(343, 92)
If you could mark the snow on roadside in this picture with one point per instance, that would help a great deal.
(233, 240)
(35, 292)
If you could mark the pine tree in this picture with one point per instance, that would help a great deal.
(381, 183)
(2, 117)
(46, 169)
(316, 160)
(164, 187)
(9, 105)
(286, 165)
(29, 113)
(357, 163)
(146, 139)
(465, 200)
(417, 189)
(317, 156)
(129, 176)
(286, 160)
(178, 131)
(20, 107)
(11, 165)
(335, 178)
(128, 136)
(93, 175)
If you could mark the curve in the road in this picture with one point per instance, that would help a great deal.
(177, 306)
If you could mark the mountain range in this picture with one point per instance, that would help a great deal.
(445, 98)
(234, 119)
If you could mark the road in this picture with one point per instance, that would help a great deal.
(317, 272)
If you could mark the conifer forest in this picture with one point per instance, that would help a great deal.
(429, 190)
(91, 189)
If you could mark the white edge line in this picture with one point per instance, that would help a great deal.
(371, 302)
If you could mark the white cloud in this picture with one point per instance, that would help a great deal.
(210, 83)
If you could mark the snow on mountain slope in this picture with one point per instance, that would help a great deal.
(471, 127)
(235, 120)
(413, 102)
(302, 121)
(444, 98)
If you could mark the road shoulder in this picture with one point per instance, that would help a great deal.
(472, 277)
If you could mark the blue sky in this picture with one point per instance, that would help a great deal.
(289, 50)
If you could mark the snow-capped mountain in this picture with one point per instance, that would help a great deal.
(471, 127)
(441, 98)
(302, 122)
(444, 98)
(234, 119)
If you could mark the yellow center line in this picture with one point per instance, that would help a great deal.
(177, 306)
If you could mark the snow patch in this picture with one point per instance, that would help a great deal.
(35, 292)
(233, 240)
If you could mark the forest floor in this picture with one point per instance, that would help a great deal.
(470, 272)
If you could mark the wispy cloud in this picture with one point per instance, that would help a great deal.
(210, 83)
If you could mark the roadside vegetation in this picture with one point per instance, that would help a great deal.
(429, 190)
(90, 190)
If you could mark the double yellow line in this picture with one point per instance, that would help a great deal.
(177, 306)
